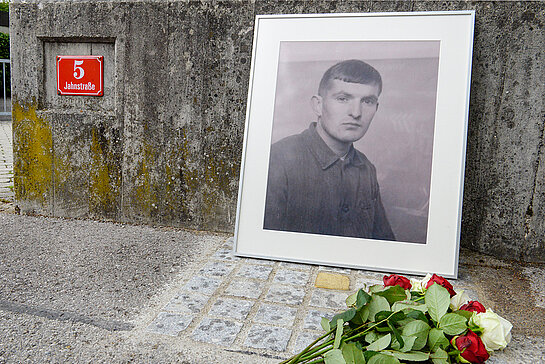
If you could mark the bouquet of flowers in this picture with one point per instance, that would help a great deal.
(408, 321)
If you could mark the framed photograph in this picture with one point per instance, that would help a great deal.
(355, 138)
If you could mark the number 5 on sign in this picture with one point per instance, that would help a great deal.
(80, 75)
(76, 69)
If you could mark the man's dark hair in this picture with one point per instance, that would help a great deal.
(352, 70)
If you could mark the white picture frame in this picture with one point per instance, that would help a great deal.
(417, 146)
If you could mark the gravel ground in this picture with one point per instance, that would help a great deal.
(70, 290)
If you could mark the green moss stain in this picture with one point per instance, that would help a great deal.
(33, 147)
(146, 197)
(102, 189)
(221, 170)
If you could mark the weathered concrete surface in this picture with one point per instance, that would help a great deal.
(169, 151)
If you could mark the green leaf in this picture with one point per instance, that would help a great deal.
(408, 340)
(400, 305)
(371, 337)
(464, 313)
(397, 334)
(438, 301)
(325, 324)
(397, 317)
(351, 300)
(345, 316)
(363, 314)
(420, 330)
(369, 354)
(437, 339)
(409, 343)
(418, 315)
(352, 354)
(381, 343)
(383, 359)
(338, 333)
(411, 355)
(453, 324)
(393, 294)
(382, 315)
(376, 288)
(439, 357)
(362, 299)
(334, 356)
(377, 304)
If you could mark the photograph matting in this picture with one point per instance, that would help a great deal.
(439, 254)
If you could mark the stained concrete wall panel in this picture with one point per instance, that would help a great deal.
(505, 129)
(86, 165)
(146, 92)
(223, 127)
(188, 26)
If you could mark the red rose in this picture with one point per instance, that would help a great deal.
(471, 348)
(442, 282)
(473, 306)
(395, 280)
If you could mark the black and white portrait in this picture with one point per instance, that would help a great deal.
(352, 139)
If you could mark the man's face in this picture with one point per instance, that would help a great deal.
(345, 111)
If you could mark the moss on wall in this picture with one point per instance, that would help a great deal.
(33, 149)
(104, 178)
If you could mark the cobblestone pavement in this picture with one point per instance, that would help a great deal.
(256, 305)
(6, 162)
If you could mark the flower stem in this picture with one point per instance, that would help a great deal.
(293, 360)
(310, 353)
(314, 354)
(321, 360)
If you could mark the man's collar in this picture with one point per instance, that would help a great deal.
(324, 155)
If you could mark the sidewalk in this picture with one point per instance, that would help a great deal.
(6, 162)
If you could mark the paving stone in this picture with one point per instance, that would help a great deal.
(275, 315)
(365, 281)
(217, 269)
(216, 331)
(304, 339)
(259, 261)
(268, 337)
(285, 294)
(169, 323)
(285, 276)
(314, 318)
(299, 266)
(224, 254)
(187, 302)
(536, 277)
(231, 308)
(201, 284)
(255, 271)
(244, 288)
(329, 299)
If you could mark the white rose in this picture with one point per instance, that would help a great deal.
(420, 285)
(496, 330)
(459, 300)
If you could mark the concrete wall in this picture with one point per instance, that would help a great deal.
(164, 144)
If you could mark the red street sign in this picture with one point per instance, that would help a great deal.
(80, 75)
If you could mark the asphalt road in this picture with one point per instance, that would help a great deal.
(71, 289)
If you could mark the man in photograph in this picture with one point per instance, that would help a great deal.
(318, 182)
